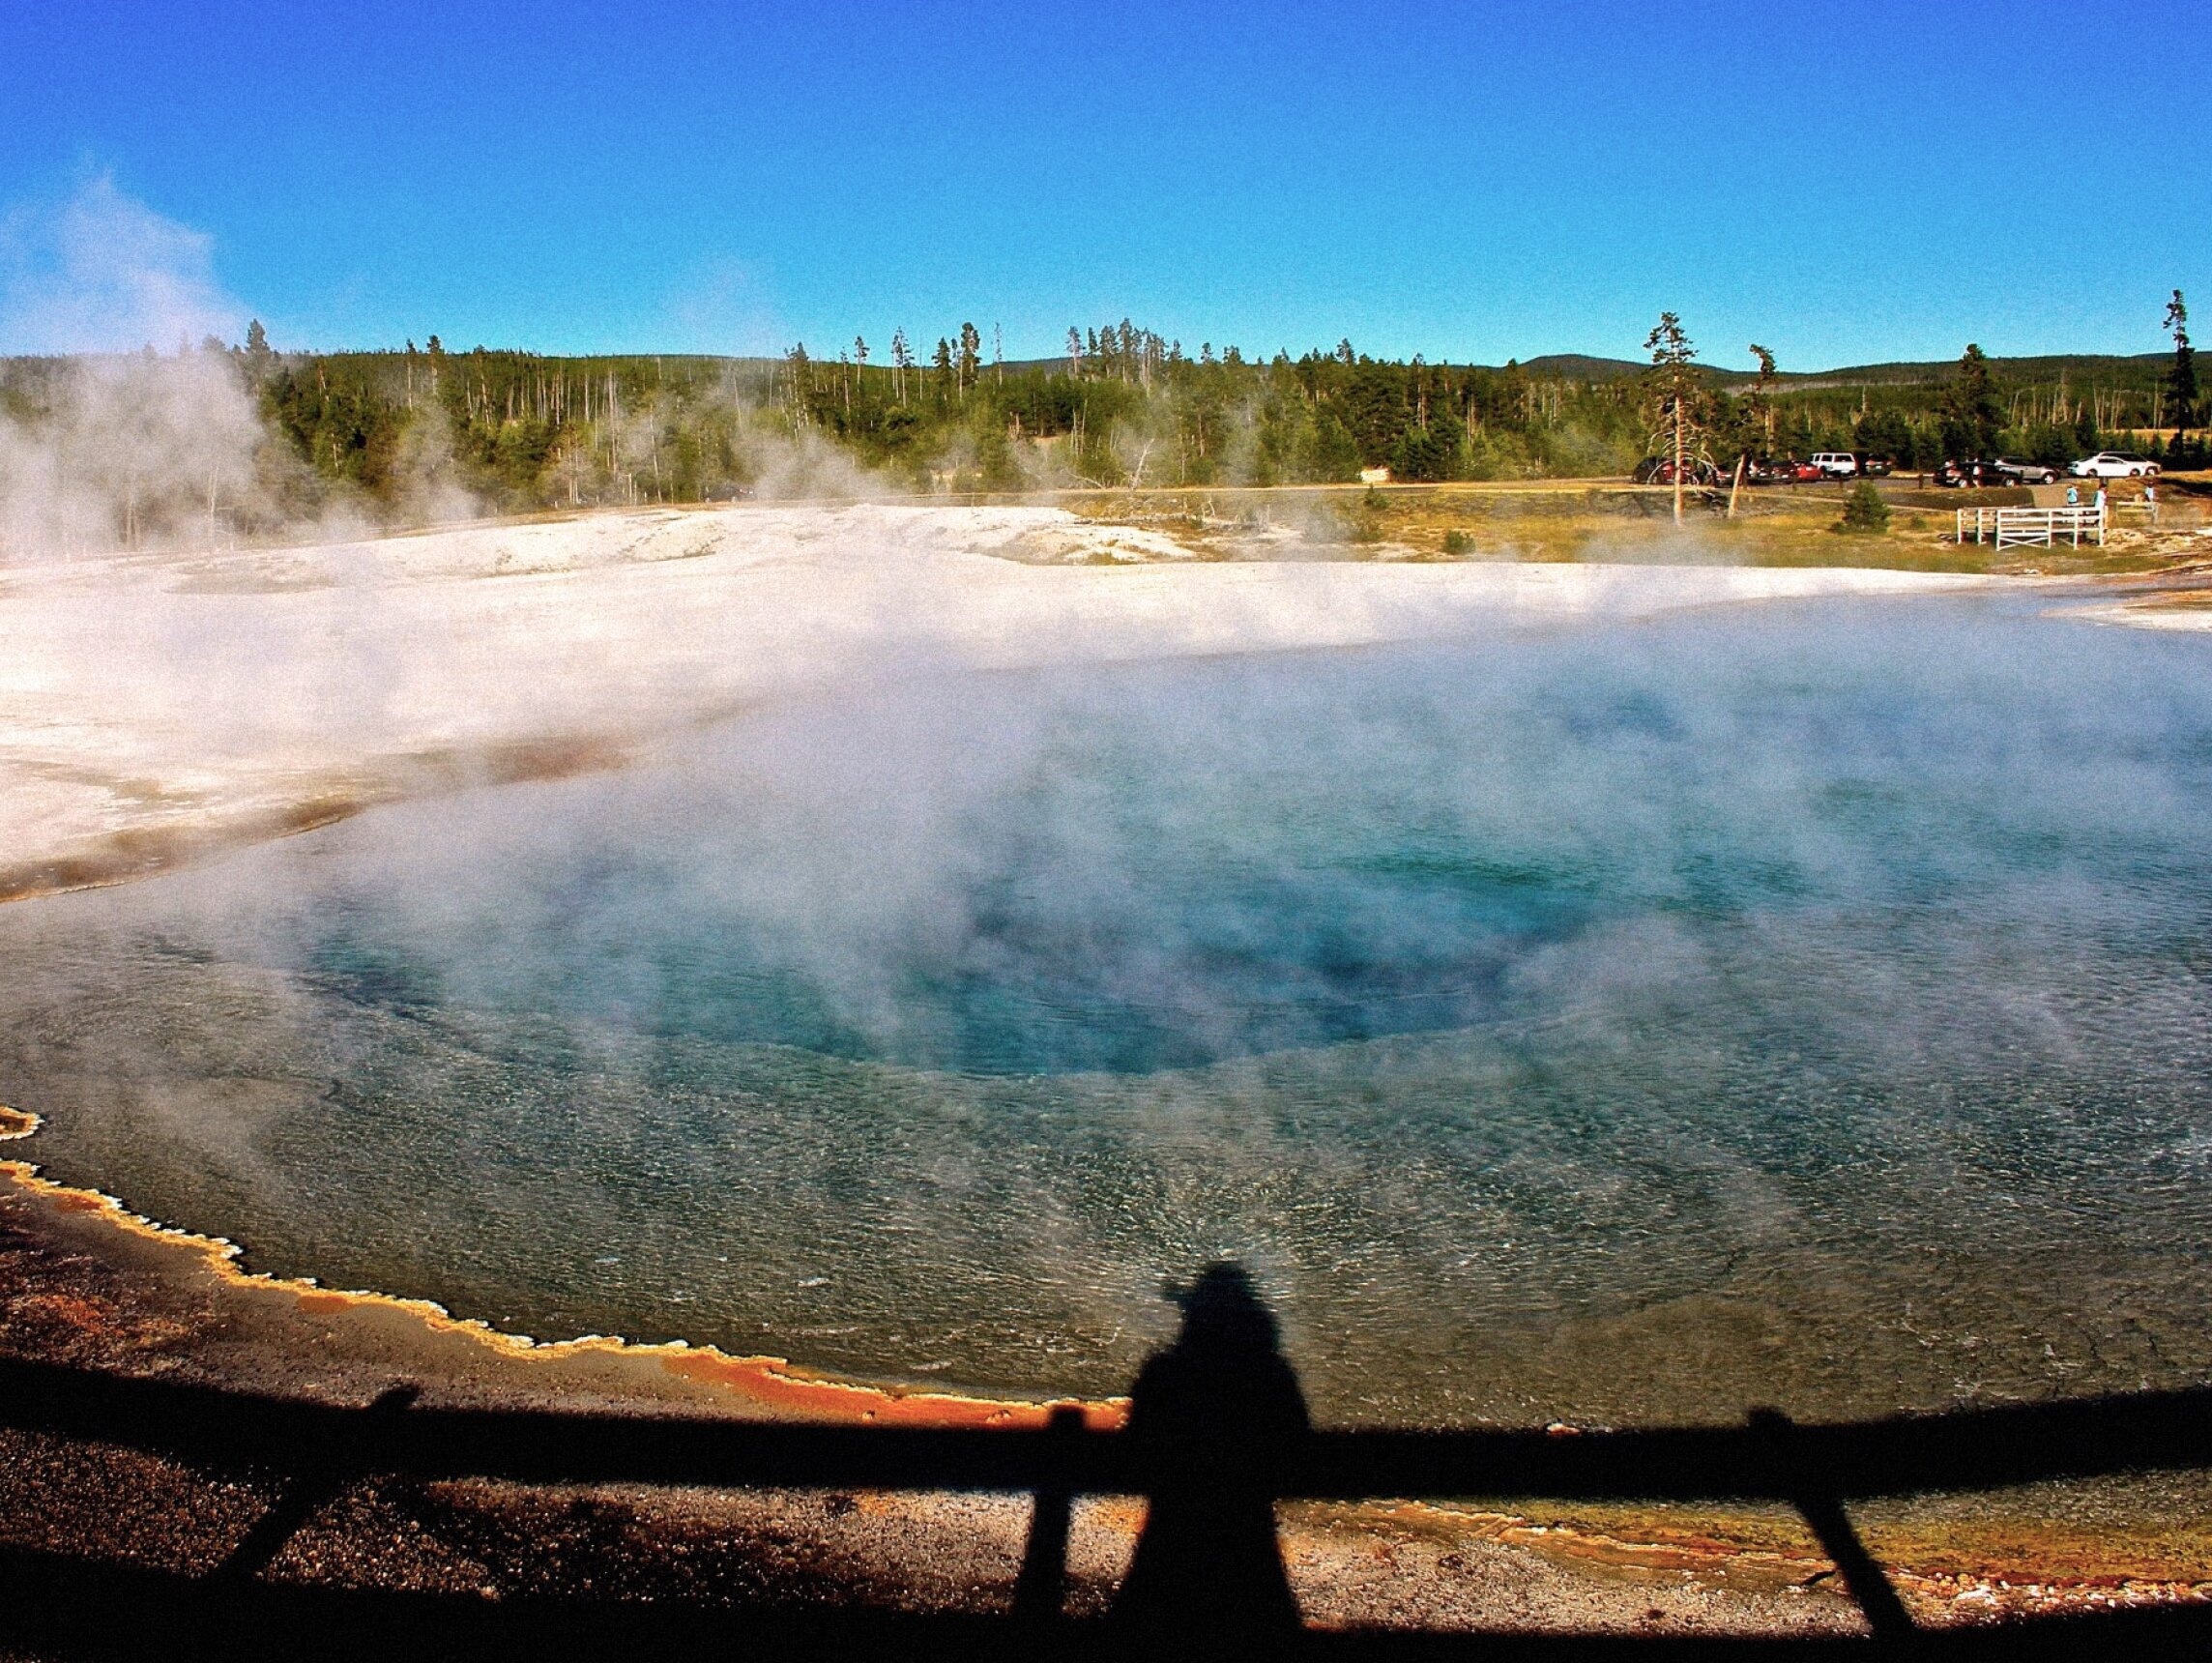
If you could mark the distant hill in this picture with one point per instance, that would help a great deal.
(1579, 367)
(2139, 370)
(2135, 369)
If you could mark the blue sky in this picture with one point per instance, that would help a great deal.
(1841, 183)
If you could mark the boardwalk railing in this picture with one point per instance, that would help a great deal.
(1816, 1470)
(2037, 528)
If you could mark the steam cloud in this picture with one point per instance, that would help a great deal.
(1720, 966)
(106, 274)
(116, 440)
(125, 423)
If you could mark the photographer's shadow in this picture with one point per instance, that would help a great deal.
(1218, 1406)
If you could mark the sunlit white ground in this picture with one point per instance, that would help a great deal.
(154, 693)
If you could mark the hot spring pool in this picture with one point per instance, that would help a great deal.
(1807, 1004)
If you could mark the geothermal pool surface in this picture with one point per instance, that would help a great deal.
(1808, 1004)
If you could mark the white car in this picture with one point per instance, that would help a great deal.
(1836, 464)
(2113, 465)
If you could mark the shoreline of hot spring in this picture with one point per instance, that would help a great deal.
(1766, 1570)
(775, 1386)
(592, 628)
(558, 648)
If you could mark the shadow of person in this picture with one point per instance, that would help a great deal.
(1217, 1409)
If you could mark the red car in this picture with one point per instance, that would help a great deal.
(1660, 471)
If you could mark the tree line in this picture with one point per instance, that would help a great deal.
(1977, 411)
(390, 431)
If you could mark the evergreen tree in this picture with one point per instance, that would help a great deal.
(1675, 393)
(258, 360)
(970, 358)
(1972, 417)
(2181, 380)
(2086, 433)
(1335, 453)
(1884, 433)
(1373, 403)
(1865, 512)
(800, 385)
(1758, 402)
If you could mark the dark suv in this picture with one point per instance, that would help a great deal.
(1975, 474)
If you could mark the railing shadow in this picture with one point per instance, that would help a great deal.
(1217, 1432)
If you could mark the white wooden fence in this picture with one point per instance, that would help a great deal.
(2039, 528)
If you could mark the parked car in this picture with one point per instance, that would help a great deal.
(2025, 473)
(1875, 467)
(1977, 471)
(2113, 465)
(1836, 464)
(1757, 471)
(1660, 471)
(1796, 473)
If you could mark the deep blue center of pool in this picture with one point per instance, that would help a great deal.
(1806, 1004)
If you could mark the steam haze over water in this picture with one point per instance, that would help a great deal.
(1807, 1006)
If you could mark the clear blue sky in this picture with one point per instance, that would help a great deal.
(1841, 183)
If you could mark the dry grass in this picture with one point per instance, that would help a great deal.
(1592, 520)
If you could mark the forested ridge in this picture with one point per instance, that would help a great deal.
(390, 431)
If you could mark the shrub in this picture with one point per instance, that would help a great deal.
(1456, 542)
(1864, 511)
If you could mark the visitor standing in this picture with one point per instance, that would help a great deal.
(2150, 499)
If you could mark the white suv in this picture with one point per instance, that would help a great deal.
(2113, 465)
(1836, 464)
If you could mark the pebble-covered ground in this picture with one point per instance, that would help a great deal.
(75, 1290)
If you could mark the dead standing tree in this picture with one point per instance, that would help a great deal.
(1677, 392)
(1759, 410)
(902, 361)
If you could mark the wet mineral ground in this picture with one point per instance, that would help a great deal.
(120, 1525)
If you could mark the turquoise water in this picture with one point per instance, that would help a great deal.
(1807, 1006)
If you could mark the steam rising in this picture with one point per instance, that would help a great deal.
(103, 273)
(130, 431)
(1611, 1023)
(1638, 1020)
(125, 424)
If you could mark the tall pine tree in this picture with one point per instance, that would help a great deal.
(970, 357)
(2181, 380)
(1675, 390)
(1972, 417)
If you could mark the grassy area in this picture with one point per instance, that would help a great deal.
(1589, 520)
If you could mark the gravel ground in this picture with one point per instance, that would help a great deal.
(75, 1290)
